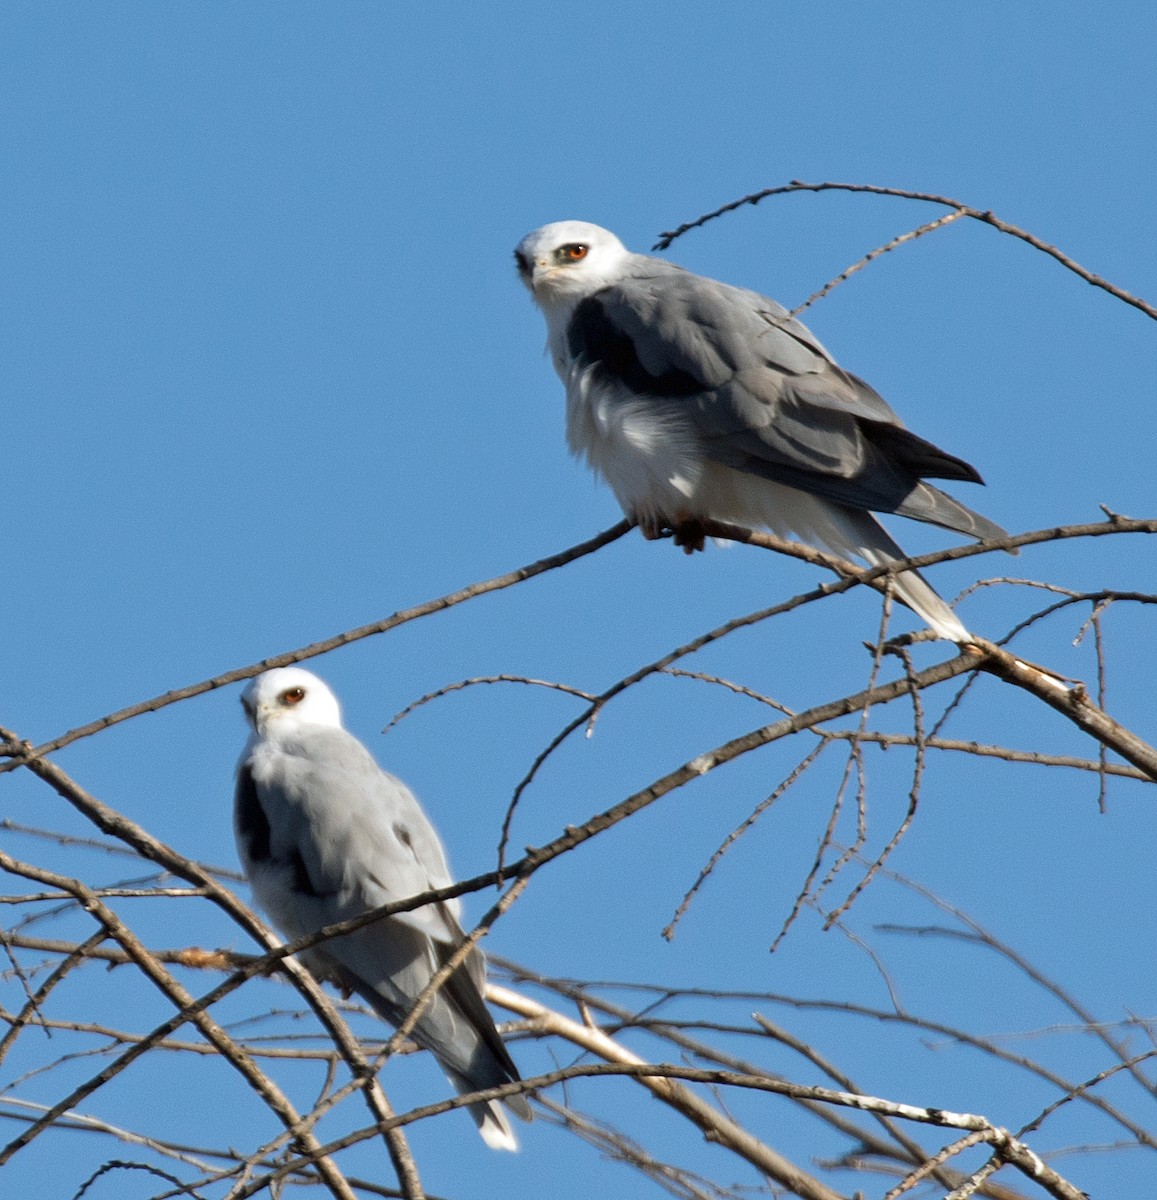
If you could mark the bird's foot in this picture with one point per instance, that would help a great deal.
(688, 532)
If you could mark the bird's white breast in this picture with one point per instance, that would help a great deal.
(647, 454)
(644, 450)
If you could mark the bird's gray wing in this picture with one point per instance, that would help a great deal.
(762, 394)
(358, 831)
(389, 967)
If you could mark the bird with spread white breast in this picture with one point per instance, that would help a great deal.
(697, 401)
(325, 835)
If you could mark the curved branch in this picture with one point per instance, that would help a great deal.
(1072, 701)
(496, 584)
(965, 210)
(1010, 1148)
(851, 574)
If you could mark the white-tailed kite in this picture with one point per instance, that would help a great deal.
(324, 835)
(695, 400)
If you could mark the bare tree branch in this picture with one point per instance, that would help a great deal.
(19, 751)
(964, 210)
(114, 928)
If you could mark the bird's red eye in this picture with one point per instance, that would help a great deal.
(575, 251)
(292, 696)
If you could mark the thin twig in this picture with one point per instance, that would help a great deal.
(859, 265)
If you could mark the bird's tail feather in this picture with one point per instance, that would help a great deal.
(456, 1027)
(751, 500)
(872, 543)
(490, 1115)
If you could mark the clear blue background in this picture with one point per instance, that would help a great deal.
(268, 374)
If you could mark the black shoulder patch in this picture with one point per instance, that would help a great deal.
(252, 823)
(593, 336)
(253, 830)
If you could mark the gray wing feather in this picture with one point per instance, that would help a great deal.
(709, 330)
(763, 395)
(359, 831)
(388, 964)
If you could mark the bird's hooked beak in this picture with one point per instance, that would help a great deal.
(251, 712)
(534, 270)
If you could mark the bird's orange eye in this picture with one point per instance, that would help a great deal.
(292, 696)
(575, 251)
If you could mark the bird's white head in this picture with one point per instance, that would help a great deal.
(289, 696)
(567, 260)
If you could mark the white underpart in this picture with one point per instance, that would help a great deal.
(651, 461)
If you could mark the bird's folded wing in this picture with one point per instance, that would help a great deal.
(761, 394)
(359, 832)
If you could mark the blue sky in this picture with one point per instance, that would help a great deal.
(269, 374)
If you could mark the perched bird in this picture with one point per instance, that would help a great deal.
(695, 400)
(324, 835)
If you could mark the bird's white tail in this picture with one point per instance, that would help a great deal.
(751, 500)
(490, 1115)
(873, 544)
(493, 1125)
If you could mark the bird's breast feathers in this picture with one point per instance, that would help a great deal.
(646, 452)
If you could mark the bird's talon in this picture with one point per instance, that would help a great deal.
(690, 535)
